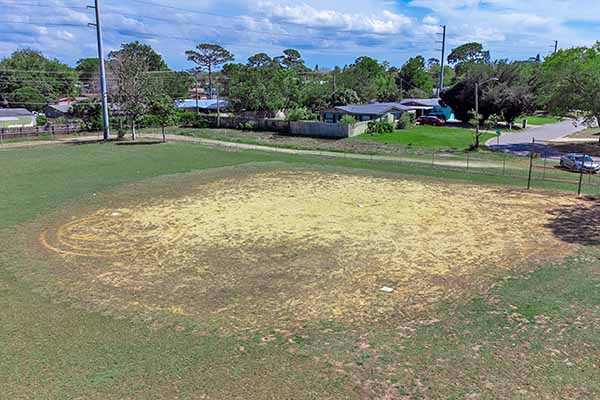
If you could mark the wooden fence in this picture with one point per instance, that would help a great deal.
(10, 133)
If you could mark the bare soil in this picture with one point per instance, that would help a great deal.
(257, 248)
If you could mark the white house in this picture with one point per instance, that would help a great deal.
(16, 118)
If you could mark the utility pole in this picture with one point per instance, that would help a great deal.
(103, 89)
(555, 46)
(443, 60)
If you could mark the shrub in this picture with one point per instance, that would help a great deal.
(407, 121)
(246, 126)
(149, 121)
(379, 127)
(192, 120)
(300, 114)
(41, 120)
(347, 120)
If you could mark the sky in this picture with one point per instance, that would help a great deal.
(327, 32)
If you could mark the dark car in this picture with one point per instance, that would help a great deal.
(431, 120)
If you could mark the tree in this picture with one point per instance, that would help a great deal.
(208, 57)
(90, 112)
(144, 53)
(570, 82)
(291, 59)
(89, 75)
(469, 53)
(463, 57)
(509, 97)
(31, 69)
(132, 89)
(370, 79)
(415, 76)
(260, 60)
(29, 98)
(164, 108)
(433, 70)
(344, 97)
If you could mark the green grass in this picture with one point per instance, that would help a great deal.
(429, 136)
(50, 350)
(537, 120)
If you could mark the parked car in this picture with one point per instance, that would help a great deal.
(580, 163)
(431, 120)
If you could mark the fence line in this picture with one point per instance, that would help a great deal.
(542, 173)
(12, 133)
(545, 175)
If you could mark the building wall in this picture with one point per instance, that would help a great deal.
(18, 122)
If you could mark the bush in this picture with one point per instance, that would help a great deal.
(149, 121)
(41, 120)
(407, 121)
(300, 114)
(347, 120)
(379, 127)
(247, 126)
(192, 120)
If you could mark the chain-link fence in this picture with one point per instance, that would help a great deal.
(531, 172)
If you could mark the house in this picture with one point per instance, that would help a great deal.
(365, 112)
(58, 110)
(16, 118)
(206, 106)
(429, 107)
(375, 111)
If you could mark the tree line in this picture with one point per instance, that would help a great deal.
(140, 82)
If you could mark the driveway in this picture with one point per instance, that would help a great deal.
(520, 143)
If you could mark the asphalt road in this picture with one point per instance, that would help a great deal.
(520, 143)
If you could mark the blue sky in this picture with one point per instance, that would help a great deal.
(328, 32)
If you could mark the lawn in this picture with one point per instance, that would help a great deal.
(538, 120)
(429, 136)
(529, 332)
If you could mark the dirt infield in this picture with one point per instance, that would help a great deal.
(263, 247)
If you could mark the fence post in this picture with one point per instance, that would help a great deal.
(580, 182)
(530, 163)
(504, 165)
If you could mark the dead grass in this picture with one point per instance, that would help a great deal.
(268, 248)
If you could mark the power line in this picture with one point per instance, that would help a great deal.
(39, 5)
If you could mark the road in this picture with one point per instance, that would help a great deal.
(520, 143)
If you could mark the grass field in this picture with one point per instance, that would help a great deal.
(537, 120)
(141, 293)
(429, 136)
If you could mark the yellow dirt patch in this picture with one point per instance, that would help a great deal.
(288, 246)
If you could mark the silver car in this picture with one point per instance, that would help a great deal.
(580, 163)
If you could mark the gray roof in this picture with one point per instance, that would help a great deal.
(15, 112)
(422, 102)
(373, 109)
(63, 108)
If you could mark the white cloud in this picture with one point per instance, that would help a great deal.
(326, 31)
(384, 22)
